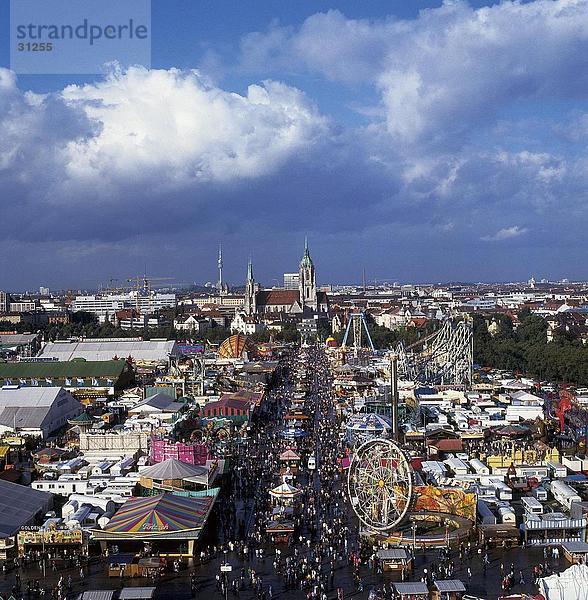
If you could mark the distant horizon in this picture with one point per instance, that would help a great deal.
(210, 286)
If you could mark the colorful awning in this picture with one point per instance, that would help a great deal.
(165, 515)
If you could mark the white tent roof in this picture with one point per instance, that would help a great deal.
(31, 407)
(140, 350)
(285, 490)
(173, 468)
(572, 584)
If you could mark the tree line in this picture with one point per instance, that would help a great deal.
(525, 348)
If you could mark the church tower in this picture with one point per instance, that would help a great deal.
(307, 283)
(250, 289)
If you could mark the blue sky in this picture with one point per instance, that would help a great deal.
(422, 141)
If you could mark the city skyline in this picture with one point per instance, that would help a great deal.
(432, 141)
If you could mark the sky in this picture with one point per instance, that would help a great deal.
(420, 141)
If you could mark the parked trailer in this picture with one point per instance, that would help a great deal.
(557, 470)
(485, 515)
(564, 494)
(479, 467)
(540, 493)
(532, 505)
(507, 515)
(456, 466)
(572, 462)
(503, 492)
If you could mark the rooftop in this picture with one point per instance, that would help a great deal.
(76, 368)
(105, 350)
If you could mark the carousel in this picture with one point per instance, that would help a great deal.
(363, 428)
(280, 526)
(293, 432)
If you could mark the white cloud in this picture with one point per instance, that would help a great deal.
(169, 126)
(163, 129)
(506, 233)
(450, 68)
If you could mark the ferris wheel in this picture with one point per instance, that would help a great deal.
(380, 484)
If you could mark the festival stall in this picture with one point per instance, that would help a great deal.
(165, 524)
(285, 493)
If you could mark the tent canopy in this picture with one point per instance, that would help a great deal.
(289, 454)
(172, 468)
(165, 513)
(370, 422)
(572, 584)
(285, 490)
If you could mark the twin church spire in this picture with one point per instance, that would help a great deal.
(306, 286)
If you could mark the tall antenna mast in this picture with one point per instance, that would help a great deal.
(220, 269)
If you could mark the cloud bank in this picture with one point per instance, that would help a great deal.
(470, 121)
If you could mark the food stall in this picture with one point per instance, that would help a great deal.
(395, 560)
(447, 589)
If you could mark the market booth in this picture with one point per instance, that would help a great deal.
(396, 560)
(165, 524)
(280, 529)
(448, 589)
(575, 552)
(499, 535)
(54, 538)
(137, 593)
(411, 590)
(123, 565)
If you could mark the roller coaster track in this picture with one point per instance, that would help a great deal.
(445, 357)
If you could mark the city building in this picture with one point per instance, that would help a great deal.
(105, 306)
(291, 281)
(293, 302)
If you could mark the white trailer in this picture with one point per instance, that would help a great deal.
(564, 494)
(507, 515)
(557, 470)
(479, 467)
(532, 505)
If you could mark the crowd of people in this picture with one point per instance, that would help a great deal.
(320, 541)
(323, 556)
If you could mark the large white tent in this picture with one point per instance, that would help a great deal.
(572, 584)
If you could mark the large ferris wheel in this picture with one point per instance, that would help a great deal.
(380, 484)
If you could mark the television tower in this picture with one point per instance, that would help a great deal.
(220, 269)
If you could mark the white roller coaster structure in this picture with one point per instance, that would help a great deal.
(446, 356)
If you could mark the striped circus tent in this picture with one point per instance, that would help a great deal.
(165, 516)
